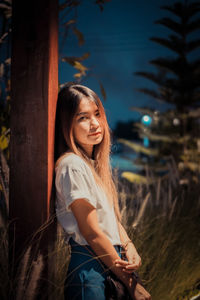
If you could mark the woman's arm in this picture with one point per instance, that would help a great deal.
(86, 217)
(132, 255)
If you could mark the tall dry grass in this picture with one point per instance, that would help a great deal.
(30, 274)
(163, 220)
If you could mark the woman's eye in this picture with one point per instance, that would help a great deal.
(82, 118)
(97, 114)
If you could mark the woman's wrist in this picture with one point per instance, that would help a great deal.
(125, 245)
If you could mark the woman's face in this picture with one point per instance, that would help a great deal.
(87, 126)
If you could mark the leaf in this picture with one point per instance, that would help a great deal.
(72, 21)
(151, 166)
(79, 36)
(1, 70)
(189, 165)
(71, 59)
(5, 167)
(180, 9)
(71, 3)
(8, 87)
(171, 24)
(4, 141)
(78, 75)
(80, 67)
(139, 148)
(172, 138)
(76, 63)
(84, 56)
(143, 110)
(101, 3)
(150, 92)
(103, 92)
(157, 78)
(3, 37)
(134, 178)
(174, 43)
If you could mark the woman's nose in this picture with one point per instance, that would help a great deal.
(94, 123)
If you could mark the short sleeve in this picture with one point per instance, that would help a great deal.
(76, 184)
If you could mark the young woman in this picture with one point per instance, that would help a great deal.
(86, 199)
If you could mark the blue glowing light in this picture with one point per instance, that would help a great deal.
(146, 120)
(146, 141)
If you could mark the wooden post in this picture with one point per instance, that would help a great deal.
(34, 85)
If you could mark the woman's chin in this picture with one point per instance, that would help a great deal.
(96, 139)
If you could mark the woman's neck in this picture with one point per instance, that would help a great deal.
(89, 151)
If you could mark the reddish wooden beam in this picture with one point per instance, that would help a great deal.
(34, 84)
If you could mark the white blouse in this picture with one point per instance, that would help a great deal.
(74, 180)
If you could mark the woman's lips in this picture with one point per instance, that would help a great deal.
(96, 133)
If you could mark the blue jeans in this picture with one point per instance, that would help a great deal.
(86, 275)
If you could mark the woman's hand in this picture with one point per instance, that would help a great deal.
(140, 293)
(133, 260)
(137, 291)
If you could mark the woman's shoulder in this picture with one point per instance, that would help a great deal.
(70, 160)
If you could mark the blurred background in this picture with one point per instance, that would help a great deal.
(143, 60)
(142, 65)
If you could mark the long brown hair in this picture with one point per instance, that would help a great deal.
(69, 98)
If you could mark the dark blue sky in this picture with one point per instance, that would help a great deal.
(118, 42)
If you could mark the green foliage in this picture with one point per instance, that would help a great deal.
(68, 24)
(177, 76)
(175, 132)
(139, 148)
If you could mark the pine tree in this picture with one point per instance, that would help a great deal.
(177, 78)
